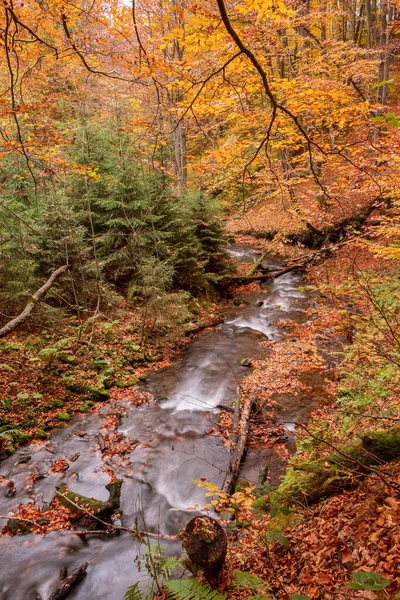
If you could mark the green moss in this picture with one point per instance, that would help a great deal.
(69, 499)
(383, 444)
(53, 403)
(308, 481)
(77, 388)
(40, 433)
(98, 395)
(86, 406)
(63, 416)
(261, 504)
(115, 493)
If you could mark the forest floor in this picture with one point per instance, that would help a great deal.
(344, 356)
(313, 538)
(51, 373)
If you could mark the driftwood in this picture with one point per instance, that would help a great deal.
(240, 446)
(14, 323)
(206, 543)
(68, 582)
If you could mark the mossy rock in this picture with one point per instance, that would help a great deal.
(77, 388)
(51, 404)
(15, 526)
(98, 395)
(383, 444)
(41, 434)
(86, 406)
(108, 382)
(64, 417)
(100, 364)
(308, 481)
(132, 382)
(154, 357)
(136, 360)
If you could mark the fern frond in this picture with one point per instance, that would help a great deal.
(248, 581)
(169, 566)
(191, 589)
(133, 593)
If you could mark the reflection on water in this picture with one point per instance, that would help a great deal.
(158, 477)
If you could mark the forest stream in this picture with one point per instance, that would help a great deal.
(174, 449)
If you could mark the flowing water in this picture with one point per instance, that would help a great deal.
(158, 474)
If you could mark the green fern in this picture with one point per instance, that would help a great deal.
(251, 582)
(191, 589)
(133, 593)
(169, 566)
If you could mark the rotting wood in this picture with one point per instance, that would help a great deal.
(14, 323)
(68, 582)
(256, 265)
(240, 446)
(206, 543)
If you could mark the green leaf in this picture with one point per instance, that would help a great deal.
(23, 396)
(382, 83)
(368, 581)
(283, 540)
(300, 597)
(285, 510)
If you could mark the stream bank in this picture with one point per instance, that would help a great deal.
(166, 444)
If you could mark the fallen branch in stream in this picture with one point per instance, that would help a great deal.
(301, 262)
(265, 276)
(240, 446)
(196, 328)
(140, 535)
(256, 265)
(68, 582)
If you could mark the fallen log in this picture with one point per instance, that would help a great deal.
(205, 543)
(256, 265)
(196, 328)
(14, 323)
(240, 447)
(68, 582)
(265, 276)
